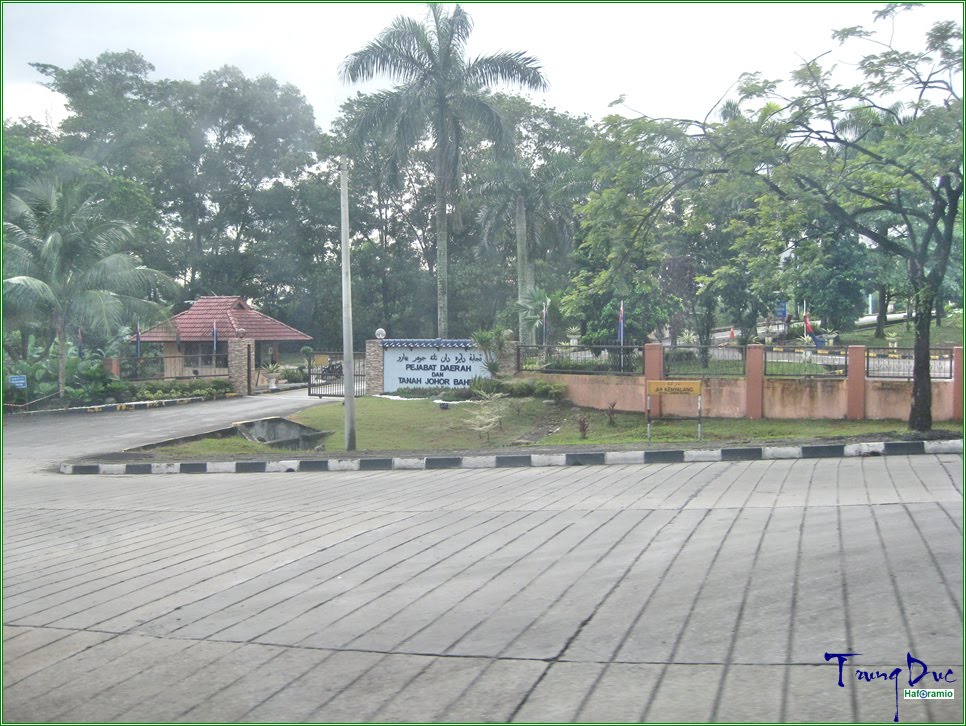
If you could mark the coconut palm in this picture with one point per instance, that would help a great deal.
(536, 202)
(438, 90)
(65, 266)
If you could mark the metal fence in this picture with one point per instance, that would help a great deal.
(898, 363)
(625, 360)
(704, 361)
(173, 367)
(806, 362)
(328, 373)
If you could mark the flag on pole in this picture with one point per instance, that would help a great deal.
(214, 337)
(543, 321)
(620, 324)
(137, 340)
(810, 332)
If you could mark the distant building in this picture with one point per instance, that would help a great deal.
(196, 341)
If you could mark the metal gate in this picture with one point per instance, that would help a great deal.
(328, 375)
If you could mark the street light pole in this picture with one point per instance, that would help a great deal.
(348, 357)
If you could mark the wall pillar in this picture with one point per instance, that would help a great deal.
(375, 357)
(508, 358)
(653, 371)
(958, 383)
(754, 381)
(112, 366)
(241, 362)
(855, 384)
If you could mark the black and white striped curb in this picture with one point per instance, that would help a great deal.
(589, 458)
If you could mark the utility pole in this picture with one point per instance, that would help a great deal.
(348, 356)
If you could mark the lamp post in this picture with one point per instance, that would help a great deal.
(348, 358)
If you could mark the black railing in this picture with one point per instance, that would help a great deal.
(802, 361)
(624, 360)
(704, 361)
(898, 363)
(328, 375)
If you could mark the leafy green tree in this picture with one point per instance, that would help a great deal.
(66, 267)
(829, 274)
(658, 233)
(441, 91)
(204, 152)
(892, 174)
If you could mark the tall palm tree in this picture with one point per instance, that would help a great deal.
(438, 90)
(65, 266)
(536, 201)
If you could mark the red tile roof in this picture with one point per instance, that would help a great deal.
(231, 314)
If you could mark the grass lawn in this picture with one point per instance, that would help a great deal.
(420, 425)
(947, 335)
(386, 425)
(632, 428)
(715, 368)
(214, 447)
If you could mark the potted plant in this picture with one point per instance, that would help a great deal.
(892, 337)
(272, 371)
(573, 333)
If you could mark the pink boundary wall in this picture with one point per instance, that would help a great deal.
(755, 396)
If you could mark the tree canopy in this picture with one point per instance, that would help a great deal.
(469, 204)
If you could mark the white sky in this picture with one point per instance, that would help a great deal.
(669, 59)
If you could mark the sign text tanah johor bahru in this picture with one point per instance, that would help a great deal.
(426, 366)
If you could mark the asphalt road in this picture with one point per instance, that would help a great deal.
(666, 592)
(42, 441)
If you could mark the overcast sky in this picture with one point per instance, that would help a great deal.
(668, 59)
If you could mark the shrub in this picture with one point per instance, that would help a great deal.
(296, 375)
(549, 390)
(680, 355)
(482, 387)
(518, 388)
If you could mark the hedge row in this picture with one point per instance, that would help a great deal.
(512, 387)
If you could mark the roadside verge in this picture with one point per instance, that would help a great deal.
(491, 461)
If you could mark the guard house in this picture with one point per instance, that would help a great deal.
(196, 342)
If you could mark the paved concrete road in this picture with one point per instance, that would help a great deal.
(707, 591)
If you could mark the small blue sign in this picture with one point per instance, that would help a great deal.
(781, 310)
(18, 381)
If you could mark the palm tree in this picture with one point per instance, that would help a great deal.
(536, 201)
(439, 90)
(65, 266)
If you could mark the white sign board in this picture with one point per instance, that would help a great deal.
(420, 367)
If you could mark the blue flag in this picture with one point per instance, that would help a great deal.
(620, 324)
